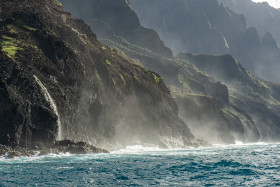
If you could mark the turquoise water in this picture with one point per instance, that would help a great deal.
(234, 165)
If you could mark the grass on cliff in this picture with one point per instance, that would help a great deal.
(98, 76)
(108, 62)
(10, 46)
(24, 25)
(124, 83)
(136, 78)
(234, 114)
(57, 2)
(157, 79)
(258, 82)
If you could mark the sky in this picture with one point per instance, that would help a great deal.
(274, 3)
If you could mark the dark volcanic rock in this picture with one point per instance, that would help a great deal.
(26, 115)
(57, 81)
(65, 146)
(77, 147)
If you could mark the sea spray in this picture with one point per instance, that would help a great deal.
(252, 165)
(52, 104)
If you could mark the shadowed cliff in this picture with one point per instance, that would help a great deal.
(260, 15)
(204, 102)
(259, 98)
(57, 81)
(112, 18)
(208, 27)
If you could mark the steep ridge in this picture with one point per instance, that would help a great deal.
(203, 102)
(117, 20)
(57, 81)
(207, 27)
(260, 15)
(259, 98)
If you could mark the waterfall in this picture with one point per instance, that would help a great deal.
(53, 106)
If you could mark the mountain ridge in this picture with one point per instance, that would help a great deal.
(212, 28)
(192, 87)
(56, 75)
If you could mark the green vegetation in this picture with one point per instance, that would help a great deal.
(56, 2)
(228, 113)
(108, 62)
(258, 82)
(98, 77)
(10, 46)
(103, 48)
(12, 28)
(157, 79)
(136, 78)
(124, 83)
(271, 100)
(113, 81)
(262, 84)
(233, 113)
(24, 25)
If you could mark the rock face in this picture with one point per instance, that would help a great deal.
(57, 81)
(204, 102)
(260, 15)
(259, 98)
(65, 146)
(200, 27)
(113, 18)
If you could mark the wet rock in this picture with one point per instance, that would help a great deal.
(65, 146)
(59, 82)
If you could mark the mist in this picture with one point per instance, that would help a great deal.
(212, 28)
(139, 92)
(217, 115)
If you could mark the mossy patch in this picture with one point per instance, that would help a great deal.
(98, 77)
(108, 62)
(136, 78)
(157, 79)
(124, 83)
(258, 82)
(103, 48)
(13, 28)
(57, 2)
(24, 25)
(10, 46)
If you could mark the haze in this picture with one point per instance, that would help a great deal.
(274, 3)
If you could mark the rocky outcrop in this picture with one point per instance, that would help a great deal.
(112, 18)
(60, 147)
(59, 82)
(200, 27)
(260, 15)
(194, 26)
(256, 97)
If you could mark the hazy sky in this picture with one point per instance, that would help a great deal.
(274, 3)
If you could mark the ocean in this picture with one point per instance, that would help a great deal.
(231, 165)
